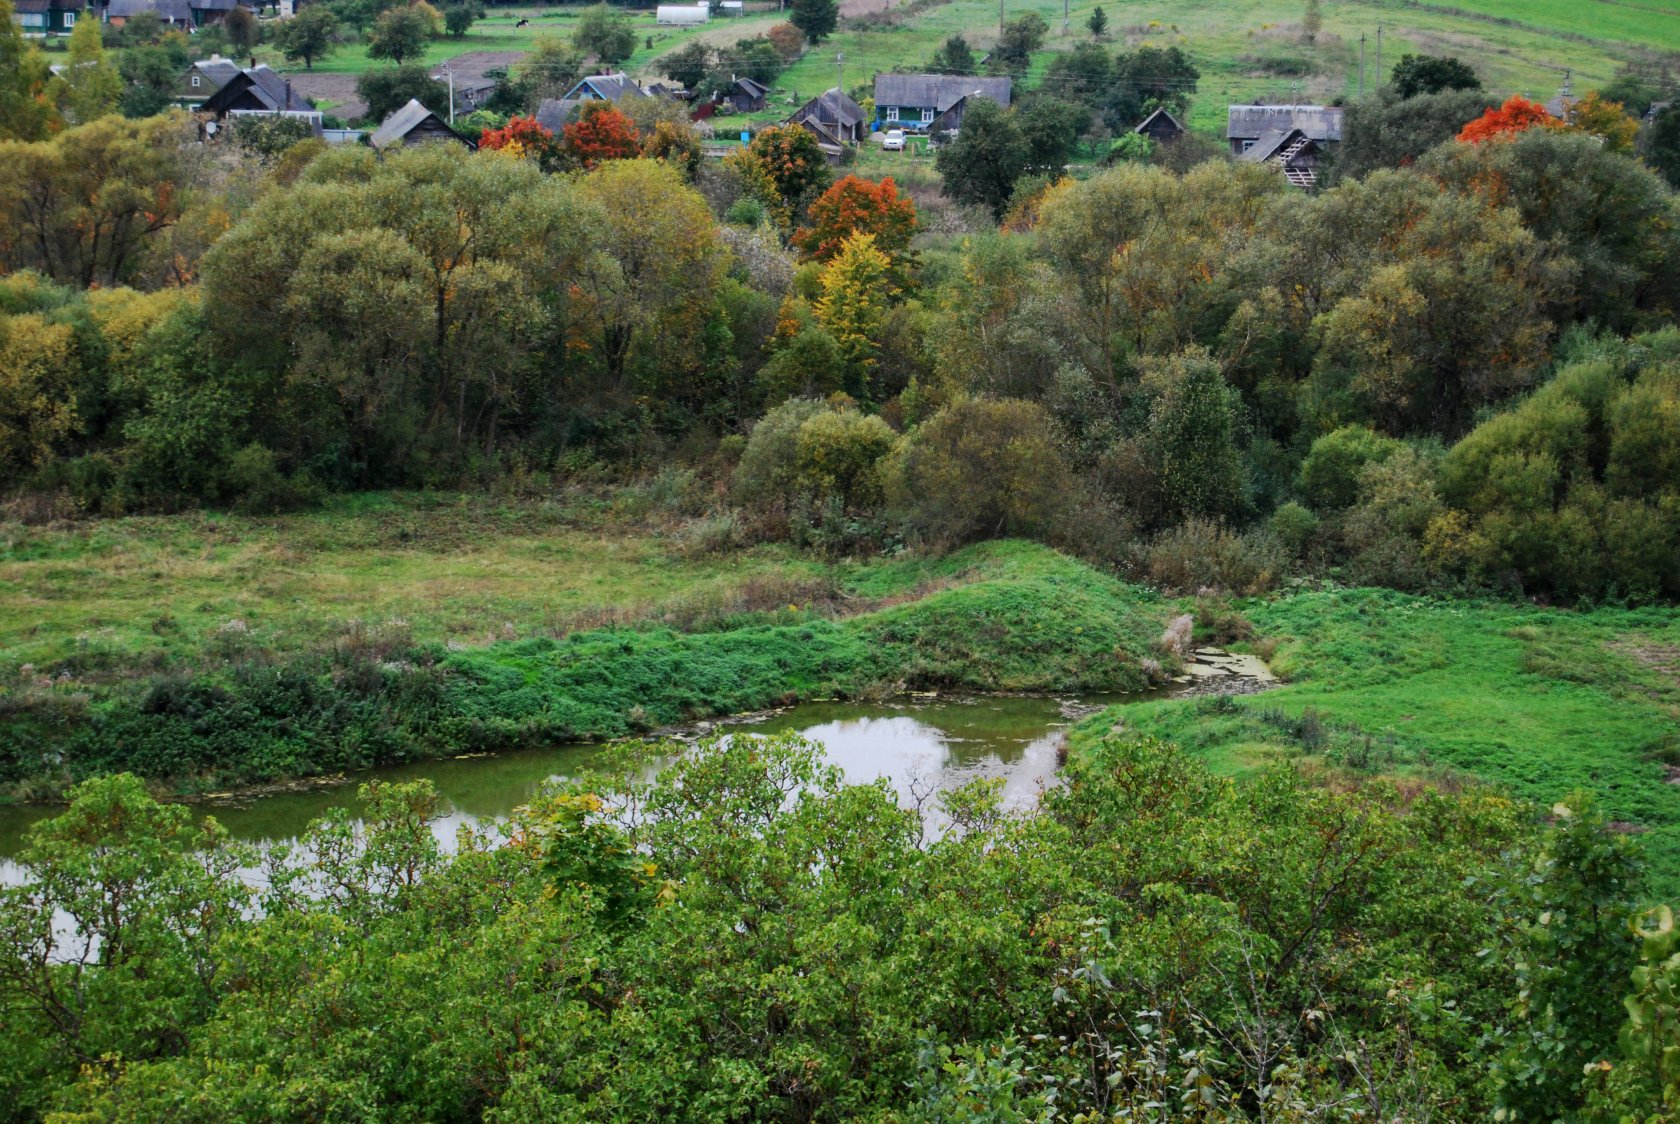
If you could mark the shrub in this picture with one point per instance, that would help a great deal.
(1201, 554)
(979, 468)
(1330, 474)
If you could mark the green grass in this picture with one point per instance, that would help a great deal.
(1540, 702)
(397, 628)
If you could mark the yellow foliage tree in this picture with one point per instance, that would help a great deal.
(856, 290)
(37, 403)
(1604, 119)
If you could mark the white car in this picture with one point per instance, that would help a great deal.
(893, 140)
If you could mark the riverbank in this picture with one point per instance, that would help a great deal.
(244, 708)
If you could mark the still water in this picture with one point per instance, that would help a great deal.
(919, 745)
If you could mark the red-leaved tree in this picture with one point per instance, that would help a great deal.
(602, 133)
(524, 136)
(1516, 115)
(859, 206)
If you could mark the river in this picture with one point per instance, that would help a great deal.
(918, 744)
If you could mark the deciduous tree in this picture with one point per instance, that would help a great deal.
(601, 133)
(89, 86)
(399, 34)
(854, 206)
(309, 35)
(1516, 115)
(605, 32)
(26, 111)
(988, 155)
(1431, 74)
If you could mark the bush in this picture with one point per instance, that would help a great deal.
(1202, 554)
(980, 468)
(1330, 474)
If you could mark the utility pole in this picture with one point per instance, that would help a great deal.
(839, 76)
(1361, 64)
(1064, 16)
(1379, 52)
(1000, 17)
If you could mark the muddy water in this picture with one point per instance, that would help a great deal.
(922, 746)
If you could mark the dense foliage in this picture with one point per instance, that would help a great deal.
(746, 938)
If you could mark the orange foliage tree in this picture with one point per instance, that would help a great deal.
(1517, 114)
(859, 206)
(793, 161)
(602, 133)
(524, 136)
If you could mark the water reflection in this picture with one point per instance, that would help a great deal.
(921, 746)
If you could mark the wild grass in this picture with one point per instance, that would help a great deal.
(1538, 701)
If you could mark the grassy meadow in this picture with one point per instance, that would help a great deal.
(213, 648)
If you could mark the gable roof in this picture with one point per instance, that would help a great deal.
(1247, 122)
(405, 120)
(751, 87)
(219, 71)
(940, 91)
(831, 106)
(608, 87)
(266, 87)
(1143, 126)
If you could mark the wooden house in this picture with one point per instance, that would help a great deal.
(415, 124)
(1160, 127)
(1251, 126)
(204, 78)
(833, 118)
(1293, 152)
(745, 96)
(930, 103)
(41, 18)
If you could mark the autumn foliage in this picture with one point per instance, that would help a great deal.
(602, 133)
(858, 206)
(525, 137)
(1516, 115)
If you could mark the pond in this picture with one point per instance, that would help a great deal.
(921, 745)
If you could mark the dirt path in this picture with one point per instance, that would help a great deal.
(340, 89)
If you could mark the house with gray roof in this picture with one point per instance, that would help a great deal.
(1161, 127)
(605, 87)
(834, 119)
(931, 103)
(258, 89)
(415, 124)
(1266, 126)
(204, 78)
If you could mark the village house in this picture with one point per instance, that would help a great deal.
(1251, 126)
(931, 103)
(834, 119)
(746, 95)
(605, 87)
(415, 124)
(1160, 127)
(204, 78)
(40, 18)
(259, 91)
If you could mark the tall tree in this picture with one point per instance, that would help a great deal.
(1661, 146)
(399, 34)
(856, 289)
(459, 18)
(1431, 74)
(988, 155)
(308, 36)
(854, 206)
(1515, 116)
(1148, 78)
(89, 85)
(386, 91)
(954, 57)
(83, 206)
(816, 18)
(605, 32)
(689, 64)
(1097, 25)
(26, 113)
(1312, 21)
(601, 132)
(241, 28)
(1017, 40)
(1083, 74)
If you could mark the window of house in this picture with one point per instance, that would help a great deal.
(927, 116)
(1247, 144)
(892, 113)
(69, 19)
(195, 81)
